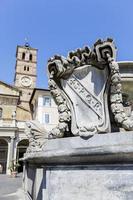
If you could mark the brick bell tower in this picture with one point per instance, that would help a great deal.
(25, 72)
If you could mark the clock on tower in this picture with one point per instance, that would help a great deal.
(26, 81)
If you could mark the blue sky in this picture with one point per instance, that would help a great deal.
(58, 26)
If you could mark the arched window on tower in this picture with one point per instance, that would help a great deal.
(28, 68)
(24, 68)
(30, 57)
(23, 55)
(1, 112)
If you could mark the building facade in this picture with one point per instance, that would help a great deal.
(44, 108)
(15, 107)
(20, 103)
(9, 98)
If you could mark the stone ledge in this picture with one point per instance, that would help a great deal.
(101, 148)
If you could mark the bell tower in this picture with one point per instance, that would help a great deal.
(25, 72)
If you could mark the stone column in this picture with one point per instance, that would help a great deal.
(12, 148)
(14, 118)
(10, 152)
(1, 122)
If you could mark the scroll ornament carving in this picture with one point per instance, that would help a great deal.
(36, 134)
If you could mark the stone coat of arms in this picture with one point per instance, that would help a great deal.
(87, 88)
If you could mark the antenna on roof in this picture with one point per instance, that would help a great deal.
(27, 43)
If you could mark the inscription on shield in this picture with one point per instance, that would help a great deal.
(90, 99)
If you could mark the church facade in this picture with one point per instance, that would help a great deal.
(15, 107)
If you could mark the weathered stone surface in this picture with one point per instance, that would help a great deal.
(97, 168)
(111, 147)
(95, 183)
(99, 182)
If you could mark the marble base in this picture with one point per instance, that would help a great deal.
(98, 168)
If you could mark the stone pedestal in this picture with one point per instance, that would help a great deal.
(97, 168)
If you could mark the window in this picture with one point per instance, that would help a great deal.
(46, 101)
(46, 118)
(1, 111)
(30, 57)
(23, 56)
(26, 68)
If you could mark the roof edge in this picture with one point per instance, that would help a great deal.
(35, 89)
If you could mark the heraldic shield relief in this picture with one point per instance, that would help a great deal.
(85, 86)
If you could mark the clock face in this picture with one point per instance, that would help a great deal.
(26, 81)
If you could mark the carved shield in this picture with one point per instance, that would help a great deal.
(86, 92)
